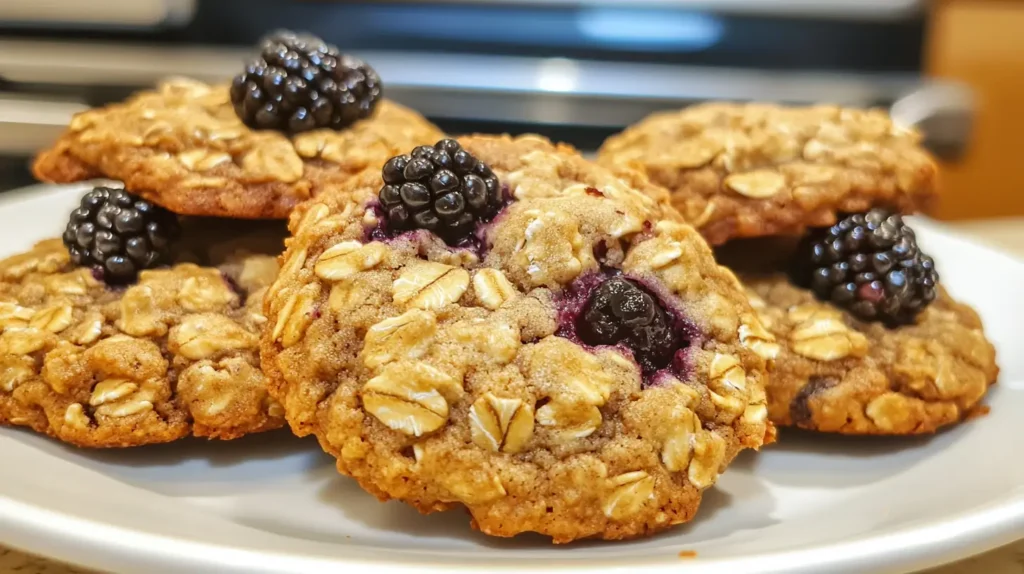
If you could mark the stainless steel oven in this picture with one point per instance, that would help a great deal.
(575, 70)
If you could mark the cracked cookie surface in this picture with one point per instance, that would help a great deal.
(174, 354)
(181, 146)
(446, 376)
(833, 373)
(751, 170)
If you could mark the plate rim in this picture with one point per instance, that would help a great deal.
(79, 540)
(965, 534)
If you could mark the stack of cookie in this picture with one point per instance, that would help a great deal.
(101, 346)
(488, 322)
(807, 205)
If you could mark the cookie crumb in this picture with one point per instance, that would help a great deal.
(978, 412)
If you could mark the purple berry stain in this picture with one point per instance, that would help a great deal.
(604, 310)
(620, 311)
(233, 285)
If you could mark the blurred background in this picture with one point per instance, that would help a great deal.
(573, 70)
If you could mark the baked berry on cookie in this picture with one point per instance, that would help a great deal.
(751, 170)
(868, 341)
(300, 118)
(98, 348)
(498, 323)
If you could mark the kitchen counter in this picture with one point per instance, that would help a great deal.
(1005, 234)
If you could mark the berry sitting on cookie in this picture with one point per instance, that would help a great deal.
(118, 234)
(621, 311)
(870, 342)
(443, 189)
(301, 83)
(869, 264)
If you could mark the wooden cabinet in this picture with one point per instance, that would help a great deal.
(981, 43)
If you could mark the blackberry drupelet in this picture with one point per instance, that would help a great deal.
(869, 264)
(119, 235)
(300, 83)
(620, 311)
(443, 189)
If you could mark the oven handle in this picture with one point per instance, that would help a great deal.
(29, 125)
(530, 91)
(944, 116)
(93, 14)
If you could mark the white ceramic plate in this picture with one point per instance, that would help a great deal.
(274, 503)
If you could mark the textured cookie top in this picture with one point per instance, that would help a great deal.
(836, 374)
(442, 375)
(182, 147)
(176, 353)
(752, 170)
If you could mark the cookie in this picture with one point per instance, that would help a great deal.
(834, 373)
(182, 146)
(173, 355)
(750, 170)
(579, 366)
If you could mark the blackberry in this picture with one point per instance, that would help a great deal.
(443, 189)
(300, 83)
(620, 311)
(119, 234)
(869, 264)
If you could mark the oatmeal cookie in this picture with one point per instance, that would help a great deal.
(750, 170)
(579, 367)
(172, 355)
(181, 146)
(834, 373)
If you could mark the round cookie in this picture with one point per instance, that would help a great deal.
(181, 146)
(751, 170)
(833, 373)
(172, 355)
(446, 376)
